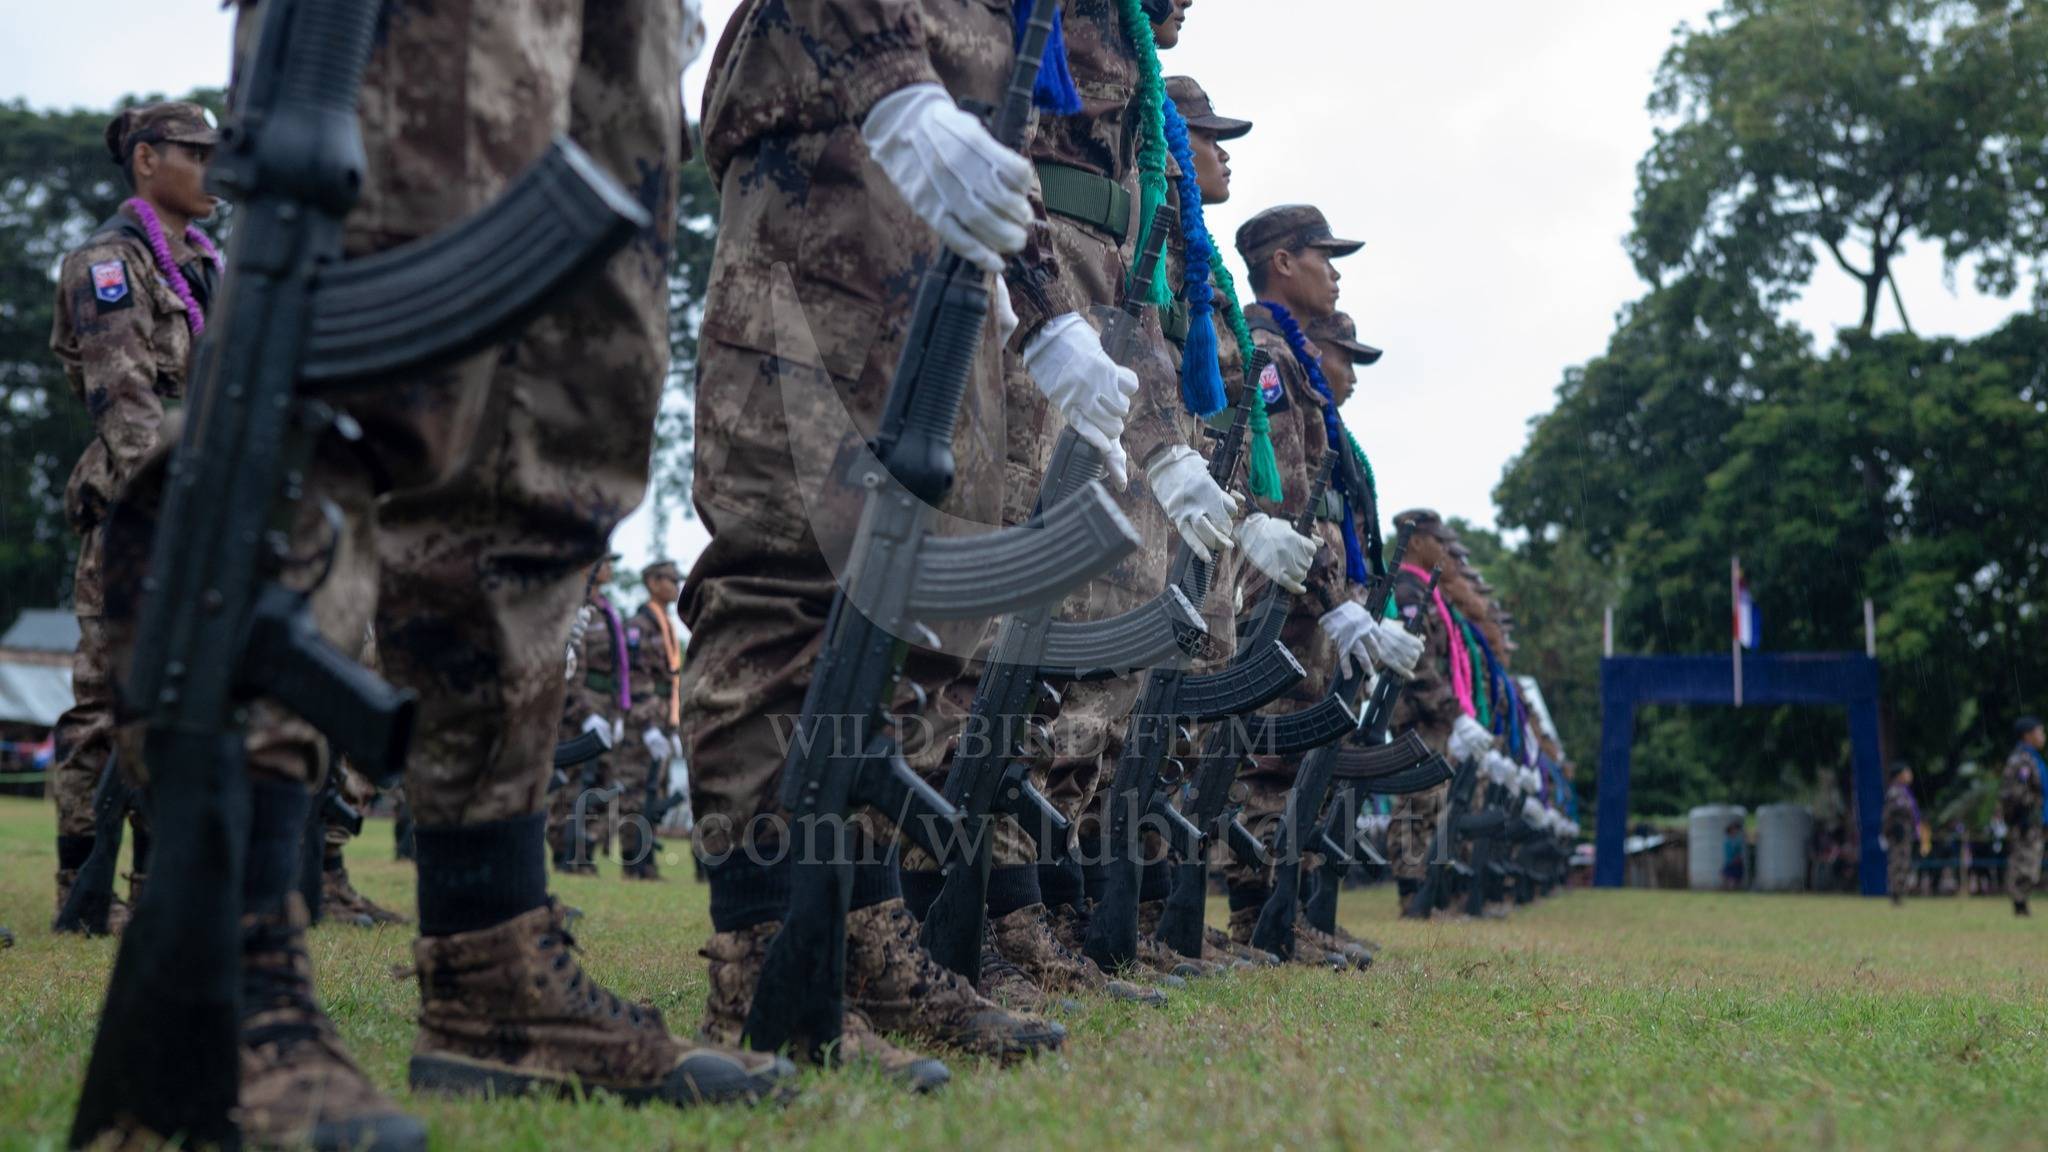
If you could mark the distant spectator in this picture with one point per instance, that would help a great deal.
(1902, 830)
(2019, 802)
(1734, 851)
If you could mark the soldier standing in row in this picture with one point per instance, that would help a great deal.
(1428, 706)
(131, 303)
(653, 718)
(600, 693)
(2019, 803)
(1901, 824)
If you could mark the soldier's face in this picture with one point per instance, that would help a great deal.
(173, 176)
(1166, 33)
(2037, 738)
(1338, 370)
(664, 589)
(1212, 166)
(604, 572)
(1316, 278)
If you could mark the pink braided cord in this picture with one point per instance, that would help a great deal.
(160, 247)
(1461, 660)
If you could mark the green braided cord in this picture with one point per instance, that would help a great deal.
(1151, 134)
(1482, 696)
(1264, 469)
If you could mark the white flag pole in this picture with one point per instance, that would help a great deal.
(1869, 628)
(1607, 632)
(1735, 621)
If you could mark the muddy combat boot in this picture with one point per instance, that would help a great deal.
(1149, 914)
(1244, 917)
(299, 1088)
(1217, 942)
(1070, 927)
(1313, 941)
(340, 901)
(1009, 986)
(1026, 939)
(891, 978)
(736, 958)
(508, 1010)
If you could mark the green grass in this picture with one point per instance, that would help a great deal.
(1624, 1020)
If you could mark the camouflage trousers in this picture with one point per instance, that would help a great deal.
(85, 732)
(1898, 865)
(2023, 861)
(505, 472)
(584, 780)
(1411, 831)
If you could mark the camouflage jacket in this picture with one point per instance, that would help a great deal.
(602, 660)
(1901, 817)
(654, 675)
(802, 205)
(1295, 411)
(2019, 789)
(1427, 706)
(122, 336)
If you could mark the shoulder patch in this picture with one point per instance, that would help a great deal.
(632, 636)
(110, 281)
(1270, 388)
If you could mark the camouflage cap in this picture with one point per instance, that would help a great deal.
(1289, 228)
(171, 121)
(1194, 106)
(1420, 519)
(1338, 330)
(664, 568)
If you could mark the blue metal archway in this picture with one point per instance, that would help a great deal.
(1825, 678)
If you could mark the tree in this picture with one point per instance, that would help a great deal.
(1803, 128)
(675, 428)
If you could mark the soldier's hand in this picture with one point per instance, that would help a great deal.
(974, 192)
(1199, 510)
(1469, 741)
(600, 726)
(1065, 359)
(1347, 625)
(1394, 648)
(1276, 549)
(657, 745)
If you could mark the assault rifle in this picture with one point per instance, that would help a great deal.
(1034, 652)
(92, 893)
(899, 575)
(1301, 828)
(1463, 818)
(329, 808)
(219, 626)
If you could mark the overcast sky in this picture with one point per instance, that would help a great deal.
(1486, 152)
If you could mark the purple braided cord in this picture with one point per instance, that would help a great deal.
(160, 246)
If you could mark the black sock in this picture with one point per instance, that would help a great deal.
(1248, 896)
(874, 884)
(745, 893)
(73, 850)
(1155, 882)
(277, 823)
(1059, 885)
(1012, 888)
(920, 889)
(473, 876)
(1095, 872)
(1407, 887)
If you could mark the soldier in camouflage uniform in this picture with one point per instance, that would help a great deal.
(1290, 251)
(1427, 707)
(501, 478)
(600, 692)
(131, 302)
(2019, 803)
(1901, 824)
(653, 717)
(816, 115)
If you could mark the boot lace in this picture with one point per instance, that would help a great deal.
(596, 1000)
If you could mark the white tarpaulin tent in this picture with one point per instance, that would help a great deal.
(35, 667)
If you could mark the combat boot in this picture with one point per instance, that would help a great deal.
(1070, 928)
(117, 909)
(508, 1010)
(337, 893)
(1244, 920)
(1312, 941)
(1217, 942)
(896, 982)
(1025, 938)
(1010, 987)
(1149, 914)
(299, 1088)
(1359, 952)
(736, 959)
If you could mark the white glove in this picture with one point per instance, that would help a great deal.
(1392, 647)
(974, 192)
(1200, 510)
(599, 725)
(1532, 781)
(618, 731)
(1006, 313)
(1497, 767)
(657, 745)
(1277, 549)
(1469, 741)
(1532, 812)
(1066, 361)
(1347, 626)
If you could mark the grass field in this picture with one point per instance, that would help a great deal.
(1626, 1020)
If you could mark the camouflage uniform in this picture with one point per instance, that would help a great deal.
(123, 336)
(811, 294)
(1300, 441)
(2019, 802)
(654, 698)
(1901, 833)
(1427, 707)
(598, 686)
(1094, 150)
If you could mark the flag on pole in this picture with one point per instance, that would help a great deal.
(1748, 626)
